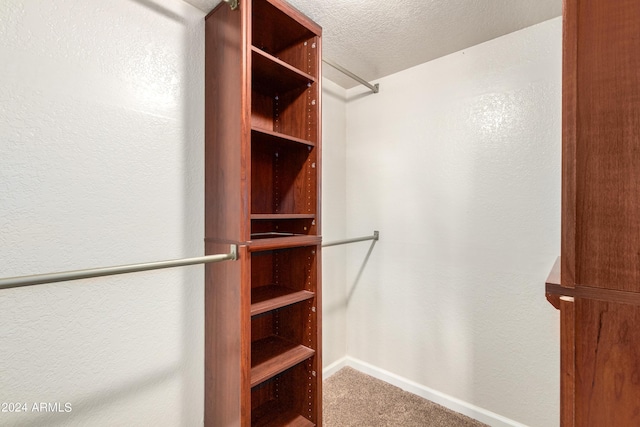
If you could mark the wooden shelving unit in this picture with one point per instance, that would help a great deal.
(262, 184)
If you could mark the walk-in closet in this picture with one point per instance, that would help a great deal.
(319, 213)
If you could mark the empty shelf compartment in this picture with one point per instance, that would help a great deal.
(271, 75)
(284, 179)
(279, 34)
(281, 401)
(273, 355)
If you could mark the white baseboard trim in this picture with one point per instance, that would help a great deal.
(445, 400)
(334, 367)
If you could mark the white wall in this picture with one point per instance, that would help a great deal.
(101, 141)
(457, 163)
(334, 223)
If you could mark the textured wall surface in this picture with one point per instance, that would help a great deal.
(334, 222)
(457, 163)
(101, 130)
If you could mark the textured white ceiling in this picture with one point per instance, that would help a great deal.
(375, 38)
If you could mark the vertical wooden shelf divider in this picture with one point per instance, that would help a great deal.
(262, 191)
(596, 282)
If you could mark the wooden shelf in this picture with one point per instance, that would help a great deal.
(279, 225)
(272, 75)
(272, 355)
(269, 136)
(272, 235)
(267, 298)
(286, 241)
(273, 415)
(282, 216)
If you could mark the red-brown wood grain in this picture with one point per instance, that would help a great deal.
(272, 355)
(316, 362)
(567, 363)
(262, 184)
(278, 401)
(599, 288)
(552, 285)
(271, 73)
(569, 134)
(598, 294)
(271, 297)
(283, 242)
(227, 345)
(225, 106)
(608, 148)
(607, 345)
(227, 341)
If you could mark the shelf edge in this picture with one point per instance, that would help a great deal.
(281, 301)
(280, 363)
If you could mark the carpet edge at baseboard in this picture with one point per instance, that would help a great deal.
(450, 402)
(335, 367)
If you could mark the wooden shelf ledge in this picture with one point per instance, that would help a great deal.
(272, 297)
(281, 216)
(272, 75)
(273, 355)
(272, 414)
(555, 291)
(283, 242)
(273, 137)
(552, 283)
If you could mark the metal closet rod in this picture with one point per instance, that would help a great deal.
(374, 88)
(64, 276)
(375, 236)
(38, 279)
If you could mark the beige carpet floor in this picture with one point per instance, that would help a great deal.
(351, 399)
